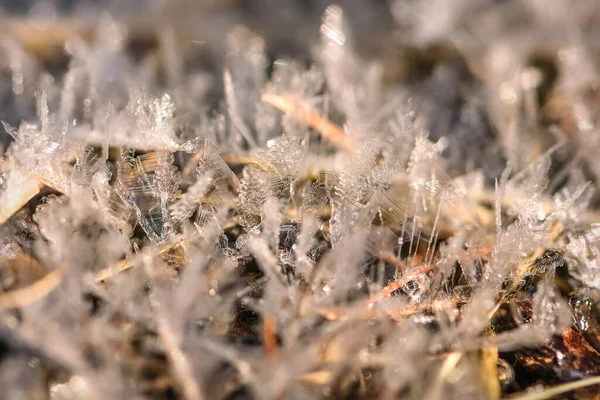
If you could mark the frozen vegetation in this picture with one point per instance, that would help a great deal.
(389, 200)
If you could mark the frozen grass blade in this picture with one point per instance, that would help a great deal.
(23, 297)
(306, 115)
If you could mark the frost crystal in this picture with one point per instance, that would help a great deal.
(365, 200)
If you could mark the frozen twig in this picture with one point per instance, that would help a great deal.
(190, 387)
(34, 292)
(554, 391)
(330, 131)
(28, 188)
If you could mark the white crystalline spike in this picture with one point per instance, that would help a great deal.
(185, 206)
(451, 252)
(10, 130)
(271, 222)
(184, 372)
(422, 162)
(238, 122)
(380, 243)
(267, 261)
(68, 94)
(414, 227)
(570, 205)
(414, 257)
(84, 159)
(306, 240)
(110, 115)
(549, 310)
(498, 209)
(244, 77)
(346, 259)
(101, 187)
(169, 52)
(360, 182)
(433, 236)
(23, 66)
(333, 32)
(79, 224)
(44, 113)
(110, 34)
(248, 56)
(528, 183)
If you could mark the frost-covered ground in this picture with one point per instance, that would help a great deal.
(296, 200)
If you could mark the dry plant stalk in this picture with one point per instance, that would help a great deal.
(110, 272)
(32, 293)
(305, 115)
(404, 279)
(28, 188)
(270, 337)
(183, 371)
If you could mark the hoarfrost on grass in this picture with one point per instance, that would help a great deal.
(269, 226)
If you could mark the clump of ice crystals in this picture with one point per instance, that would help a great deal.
(166, 231)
